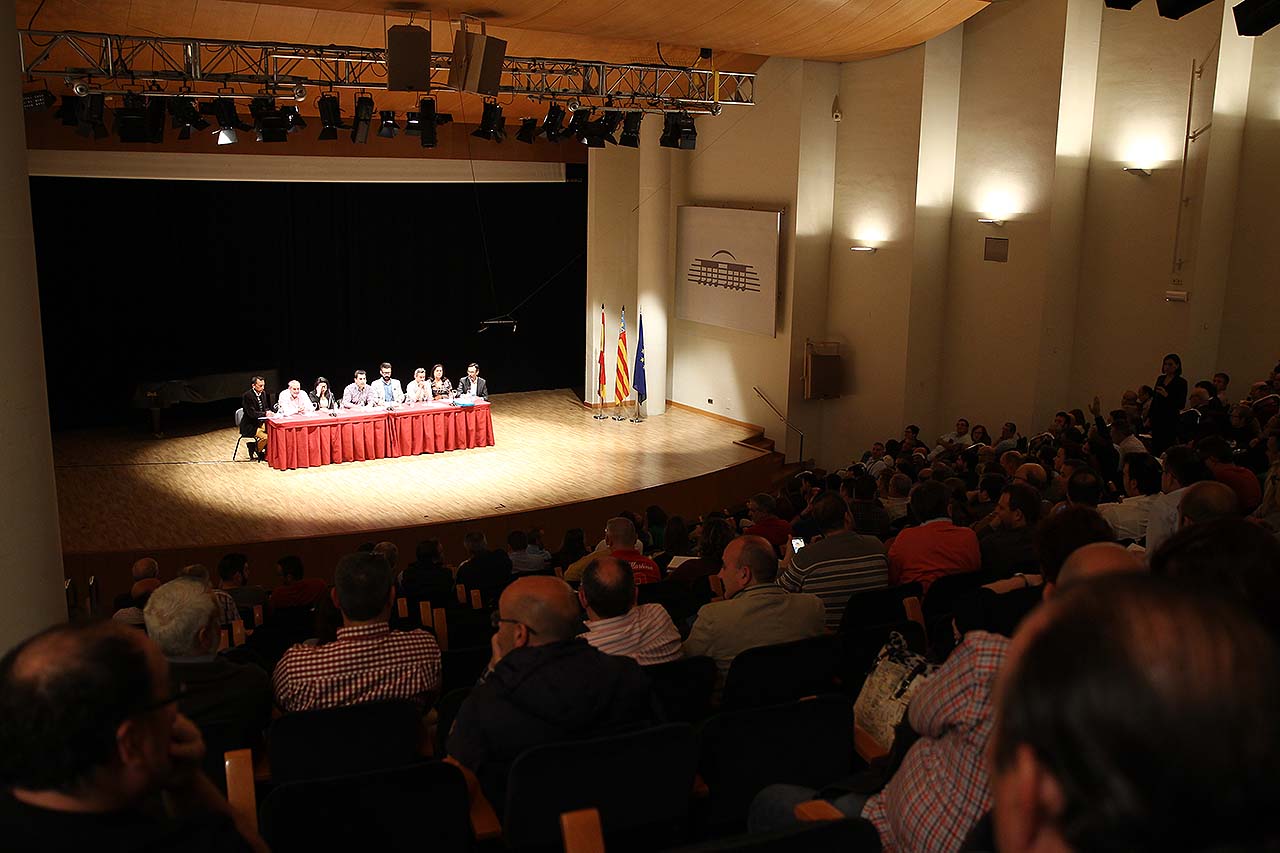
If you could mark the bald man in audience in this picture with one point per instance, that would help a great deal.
(544, 684)
(616, 624)
(1091, 561)
(1207, 501)
(144, 568)
(90, 735)
(1076, 767)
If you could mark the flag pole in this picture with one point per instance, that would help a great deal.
(635, 415)
(600, 415)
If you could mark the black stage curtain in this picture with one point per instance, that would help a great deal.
(151, 280)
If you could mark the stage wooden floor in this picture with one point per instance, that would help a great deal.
(123, 492)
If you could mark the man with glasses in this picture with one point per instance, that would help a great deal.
(544, 684)
(89, 735)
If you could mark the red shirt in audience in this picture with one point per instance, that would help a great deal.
(644, 569)
(933, 549)
(301, 593)
(367, 663)
(1243, 482)
(776, 531)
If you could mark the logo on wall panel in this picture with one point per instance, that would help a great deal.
(729, 274)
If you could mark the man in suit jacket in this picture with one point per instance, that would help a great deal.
(255, 402)
(472, 383)
(755, 611)
(386, 389)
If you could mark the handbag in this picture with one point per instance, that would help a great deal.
(885, 695)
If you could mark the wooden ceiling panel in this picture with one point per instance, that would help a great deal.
(835, 30)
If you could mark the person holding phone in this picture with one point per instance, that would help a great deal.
(1169, 397)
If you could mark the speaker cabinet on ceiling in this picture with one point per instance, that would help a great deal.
(408, 59)
(477, 63)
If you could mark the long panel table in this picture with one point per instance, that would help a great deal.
(353, 435)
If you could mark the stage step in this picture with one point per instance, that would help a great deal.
(758, 442)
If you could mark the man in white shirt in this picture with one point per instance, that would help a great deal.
(616, 625)
(386, 389)
(1183, 467)
(472, 383)
(294, 402)
(419, 389)
(1008, 438)
(359, 395)
(1142, 480)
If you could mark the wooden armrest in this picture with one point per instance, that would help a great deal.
(262, 766)
(237, 633)
(240, 793)
(461, 592)
(867, 746)
(915, 613)
(484, 820)
(402, 608)
(476, 602)
(812, 811)
(257, 616)
(441, 624)
(582, 832)
(424, 613)
(224, 640)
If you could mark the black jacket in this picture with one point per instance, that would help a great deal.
(252, 411)
(489, 572)
(545, 694)
(481, 389)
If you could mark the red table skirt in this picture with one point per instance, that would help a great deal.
(312, 440)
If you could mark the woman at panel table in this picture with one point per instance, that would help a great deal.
(322, 397)
(419, 390)
(441, 388)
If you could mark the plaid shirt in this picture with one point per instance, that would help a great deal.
(227, 610)
(942, 788)
(367, 663)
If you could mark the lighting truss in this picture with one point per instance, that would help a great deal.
(107, 61)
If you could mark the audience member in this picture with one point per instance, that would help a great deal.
(572, 548)
(1141, 477)
(714, 536)
(485, 570)
(1008, 544)
(1207, 501)
(1220, 458)
(389, 552)
(233, 577)
(1182, 468)
(229, 702)
(144, 568)
(866, 513)
(1085, 488)
(936, 547)
(1268, 512)
(765, 523)
(427, 578)
(526, 556)
(620, 541)
(543, 685)
(227, 610)
(138, 595)
(675, 540)
(755, 610)
(616, 624)
(1170, 395)
(367, 662)
(1103, 704)
(836, 564)
(295, 589)
(89, 735)
(898, 500)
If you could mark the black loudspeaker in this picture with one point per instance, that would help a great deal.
(1255, 17)
(408, 59)
(1175, 9)
(477, 63)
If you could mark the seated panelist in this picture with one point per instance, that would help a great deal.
(323, 398)
(358, 395)
(441, 388)
(419, 390)
(473, 383)
(294, 402)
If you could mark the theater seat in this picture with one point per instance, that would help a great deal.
(684, 687)
(769, 675)
(341, 741)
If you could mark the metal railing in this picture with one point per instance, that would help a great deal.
(782, 418)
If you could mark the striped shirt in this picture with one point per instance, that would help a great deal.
(645, 633)
(367, 663)
(227, 610)
(834, 568)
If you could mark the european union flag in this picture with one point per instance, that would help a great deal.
(642, 391)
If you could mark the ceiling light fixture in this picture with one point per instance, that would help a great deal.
(678, 131)
(986, 220)
(387, 127)
(868, 249)
(185, 116)
(1137, 170)
(492, 125)
(528, 130)
(363, 119)
(630, 137)
(330, 116)
(553, 125)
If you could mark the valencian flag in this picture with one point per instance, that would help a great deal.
(603, 383)
(642, 389)
(622, 375)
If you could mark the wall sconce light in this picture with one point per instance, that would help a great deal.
(867, 249)
(997, 222)
(1138, 170)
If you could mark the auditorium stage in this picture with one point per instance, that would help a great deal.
(122, 494)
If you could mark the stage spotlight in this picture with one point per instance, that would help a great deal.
(1255, 17)
(600, 131)
(224, 113)
(330, 116)
(678, 131)
(424, 122)
(293, 119)
(492, 125)
(528, 130)
(69, 110)
(578, 123)
(1126, 5)
(553, 124)
(387, 127)
(186, 116)
(1176, 9)
(630, 137)
(134, 120)
(363, 120)
(90, 111)
(38, 101)
(268, 121)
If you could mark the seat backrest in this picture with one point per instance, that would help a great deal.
(872, 607)
(676, 598)
(768, 675)
(639, 781)
(469, 627)
(463, 667)
(239, 416)
(944, 591)
(341, 741)
(809, 742)
(684, 687)
(447, 707)
(421, 807)
(853, 835)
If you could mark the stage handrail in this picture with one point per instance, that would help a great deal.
(782, 418)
